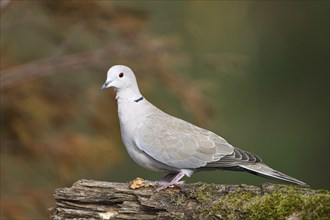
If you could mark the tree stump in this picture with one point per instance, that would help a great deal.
(90, 199)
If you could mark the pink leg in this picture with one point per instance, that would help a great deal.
(164, 180)
(168, 177)
(164, 183)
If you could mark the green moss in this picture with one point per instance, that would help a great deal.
(317, 207)
(274, 206)
(235, 204)
(280, 202)
(205, 193)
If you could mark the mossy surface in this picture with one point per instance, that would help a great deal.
(265, 202)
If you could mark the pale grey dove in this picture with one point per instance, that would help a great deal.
(161, 142)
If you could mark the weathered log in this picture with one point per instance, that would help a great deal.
(89, 199)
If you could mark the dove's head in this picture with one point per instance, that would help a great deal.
(119, 78)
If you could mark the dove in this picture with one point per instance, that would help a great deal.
(163, 143)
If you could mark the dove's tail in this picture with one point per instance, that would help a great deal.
(261, 169)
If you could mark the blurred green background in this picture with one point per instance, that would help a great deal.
(255, 72)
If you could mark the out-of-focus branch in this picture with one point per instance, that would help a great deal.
(36, 69)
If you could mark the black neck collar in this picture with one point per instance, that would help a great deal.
(139, 99)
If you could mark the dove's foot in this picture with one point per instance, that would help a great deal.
(164, 183)
(165, 180)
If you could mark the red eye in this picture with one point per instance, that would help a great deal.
(121, 75)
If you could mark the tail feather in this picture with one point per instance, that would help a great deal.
(263, 170)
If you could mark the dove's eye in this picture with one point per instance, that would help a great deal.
(121, 75)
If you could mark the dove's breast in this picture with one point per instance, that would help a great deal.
(131, 115)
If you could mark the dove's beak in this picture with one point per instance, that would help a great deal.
(105, 86)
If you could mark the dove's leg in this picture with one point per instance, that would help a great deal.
(164, 180)
(168, 177)
(164, 184)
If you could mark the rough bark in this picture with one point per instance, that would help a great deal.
(89, 199)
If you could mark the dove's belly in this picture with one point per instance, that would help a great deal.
(143, 159)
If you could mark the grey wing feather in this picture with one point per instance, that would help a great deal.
(178, 143)
(238, 157)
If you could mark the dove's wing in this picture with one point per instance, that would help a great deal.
(237, 159)
(178, 143)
